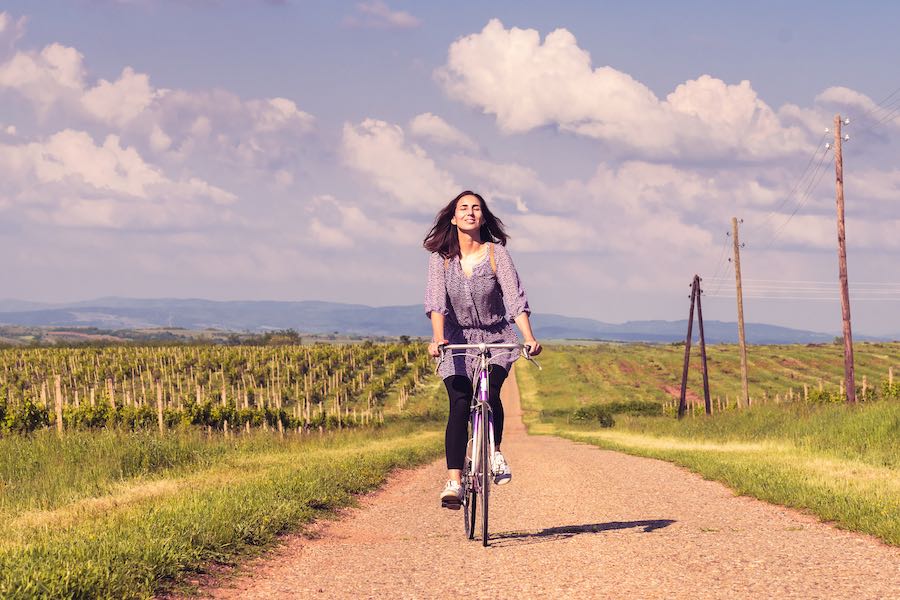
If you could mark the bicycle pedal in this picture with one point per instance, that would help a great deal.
(451, 504)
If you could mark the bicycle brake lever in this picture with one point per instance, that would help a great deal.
(440, 358)
(527, 354)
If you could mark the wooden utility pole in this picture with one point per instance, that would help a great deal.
(742, 340)
(695, 300)
(682, 402)
(707, 403)
(849, 377)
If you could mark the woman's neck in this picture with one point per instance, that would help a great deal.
(469, 243)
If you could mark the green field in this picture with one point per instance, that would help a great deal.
(117, 511)
(575, 375)
(839, 462)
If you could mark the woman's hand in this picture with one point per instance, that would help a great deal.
(534, 347)
(433, 348)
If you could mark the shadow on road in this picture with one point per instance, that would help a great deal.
(560, 533)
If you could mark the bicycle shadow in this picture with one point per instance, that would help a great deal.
(552, 534)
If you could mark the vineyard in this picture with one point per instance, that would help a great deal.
(642, 375)
(222, 388)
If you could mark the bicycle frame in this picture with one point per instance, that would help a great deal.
(480, 416)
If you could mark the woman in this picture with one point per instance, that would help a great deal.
(472, 295)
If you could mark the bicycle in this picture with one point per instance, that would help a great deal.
(476, 474)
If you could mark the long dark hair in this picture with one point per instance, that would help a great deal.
(443, 237)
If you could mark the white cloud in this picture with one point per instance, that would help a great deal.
(527, 83)
(376, 14)
(70, 181)
(340, 224)
(120, 102)
(874, 115)
(255, 133)
(432, 127)
(55, 75)
(379, 150)
(504, 181)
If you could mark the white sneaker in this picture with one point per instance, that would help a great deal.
(500, 468)
(452, 496)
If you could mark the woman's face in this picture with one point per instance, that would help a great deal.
(468, 214)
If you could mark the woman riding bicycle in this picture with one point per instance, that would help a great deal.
(472, 295)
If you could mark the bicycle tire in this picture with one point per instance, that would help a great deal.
(471, 512)
(470, 498)
(485, 473)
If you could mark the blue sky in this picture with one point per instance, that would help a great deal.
(298, 150)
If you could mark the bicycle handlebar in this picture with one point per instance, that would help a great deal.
(483, 348)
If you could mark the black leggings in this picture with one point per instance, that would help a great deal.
(459, 390)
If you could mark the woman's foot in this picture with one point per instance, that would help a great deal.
(452, 496)
(500, 468)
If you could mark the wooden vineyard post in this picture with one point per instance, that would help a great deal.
(842, 262)
(682, 402)
(59, 406)
(159, 408)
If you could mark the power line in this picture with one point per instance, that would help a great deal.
(721, 260)
(819, 281)
(814, 181)
(812, 299)
(772, 213)
(880, 104)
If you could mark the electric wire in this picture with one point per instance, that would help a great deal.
(721, 260)
(753, 230)
(816, 281)
(878, 106)
(812, 184)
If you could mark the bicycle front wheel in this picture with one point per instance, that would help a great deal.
(484, 469)
(470, 513)
(470, 498)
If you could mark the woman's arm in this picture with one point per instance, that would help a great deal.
(514, 299)
(436, 301)
(437, 333)
(524, 324)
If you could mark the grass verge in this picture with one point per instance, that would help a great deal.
(141, 533)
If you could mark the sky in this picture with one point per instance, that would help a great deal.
(299, 150)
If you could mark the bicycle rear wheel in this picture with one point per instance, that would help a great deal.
(484, 472)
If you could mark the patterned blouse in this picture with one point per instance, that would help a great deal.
(477, 309)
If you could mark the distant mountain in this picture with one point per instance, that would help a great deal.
(329, 317)
(9, 304)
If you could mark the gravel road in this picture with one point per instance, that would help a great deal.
(575, 522)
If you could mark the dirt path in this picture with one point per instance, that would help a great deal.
(575, 522)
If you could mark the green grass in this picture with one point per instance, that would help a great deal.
(839, 462)
(139, 534)
(575, 375)
(125, 515)
(42, 471)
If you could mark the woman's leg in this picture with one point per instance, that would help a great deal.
(459, 391)
(497, 375)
